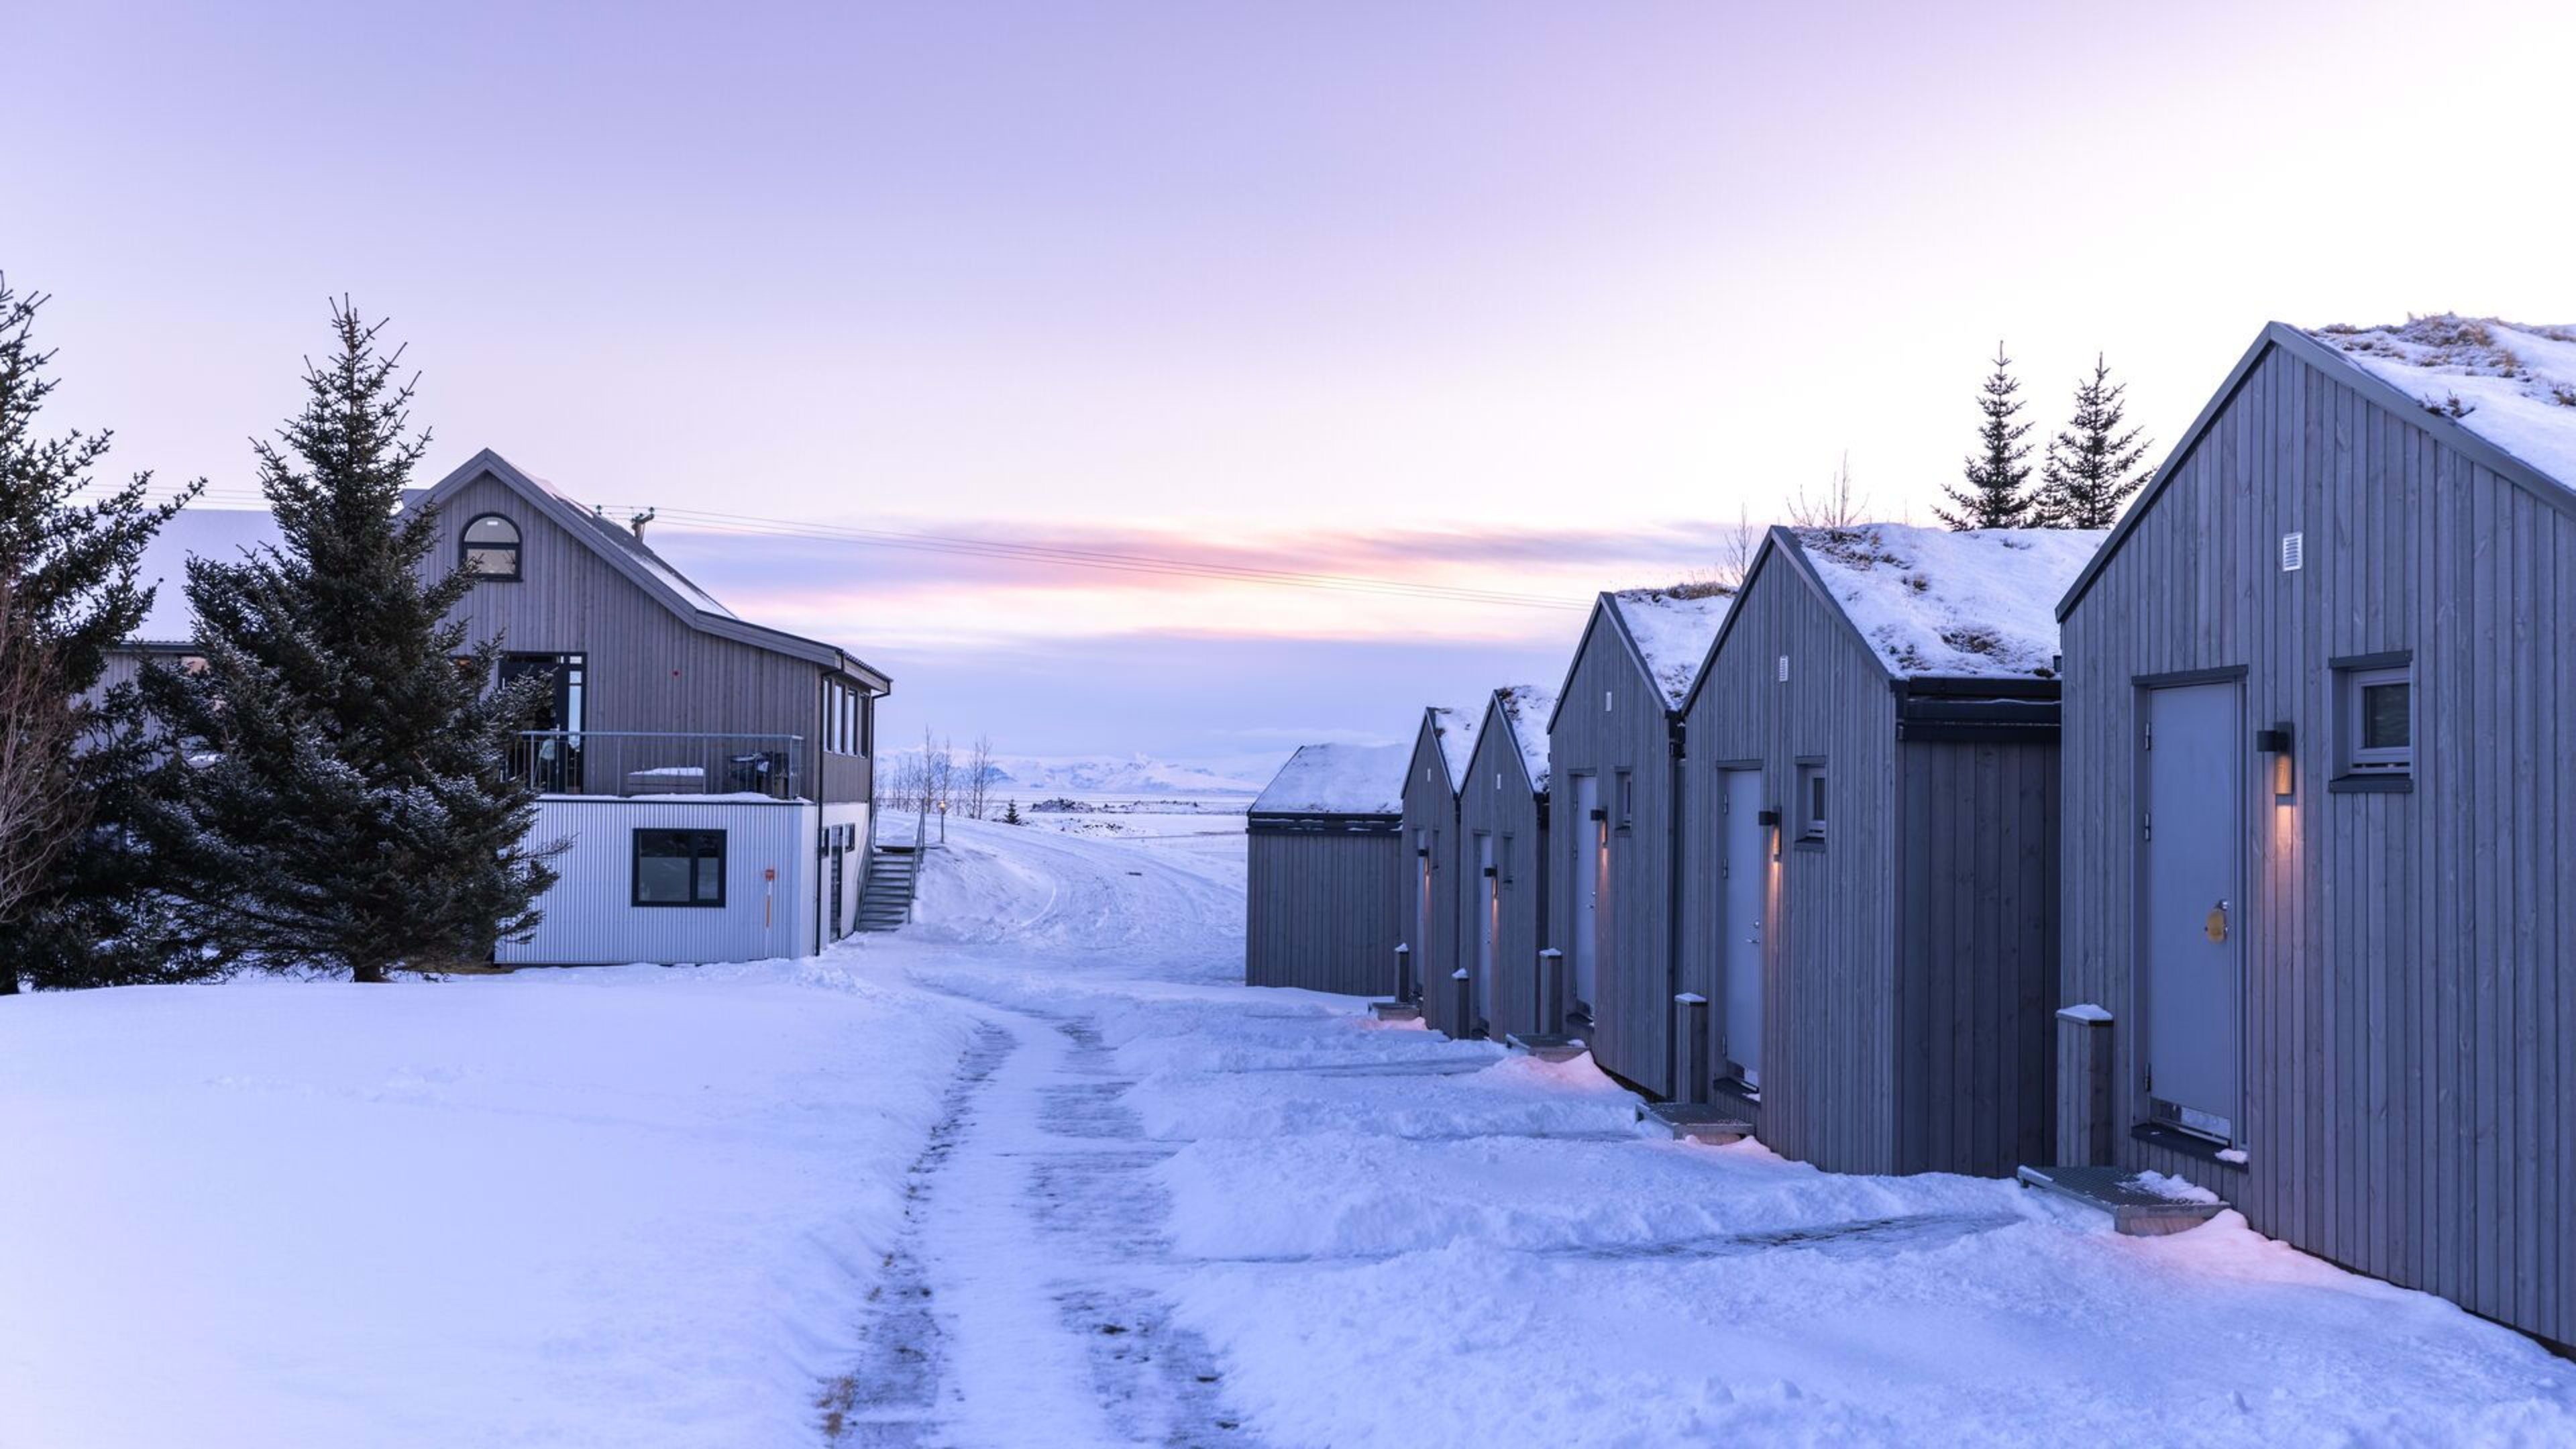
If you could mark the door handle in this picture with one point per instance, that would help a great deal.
(2216, 924)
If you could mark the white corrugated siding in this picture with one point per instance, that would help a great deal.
(589, 915)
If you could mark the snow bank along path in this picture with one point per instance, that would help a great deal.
(1182, 1211)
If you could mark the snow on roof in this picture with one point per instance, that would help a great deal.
(1526, 708)
(2510, 383)
(1456, 726)
(622, 538)
(1934, 602)
(1338, 780)
(215, 533)
(1673, 631)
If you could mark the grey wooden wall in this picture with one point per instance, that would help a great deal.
(1976, 937)
(1830, 986)
(1432, 809)
(1631, 1032)
(1498, 802)
(647, 668)
(1324, 908)
(2410, 1019)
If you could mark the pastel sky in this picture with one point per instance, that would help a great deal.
(1535, 299)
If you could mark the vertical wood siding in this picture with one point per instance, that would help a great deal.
(1324, 908)
(2410, 1019)
(1829, 979)
(1976, 978)
(647, 669)
(1513, 815)
(1631, 1031)
(1431, 808)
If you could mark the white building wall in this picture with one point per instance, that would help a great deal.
(852, 816)
(590, 917)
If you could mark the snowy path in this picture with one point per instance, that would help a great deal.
(1022, 1305)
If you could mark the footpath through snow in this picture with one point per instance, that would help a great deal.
(1037, 1171)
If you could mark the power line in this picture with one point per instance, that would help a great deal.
(1164, 565)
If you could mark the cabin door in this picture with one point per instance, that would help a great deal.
(1489, 922)
(1591, 837)
(1421, 953)
(2192, 905)
(1743, 868)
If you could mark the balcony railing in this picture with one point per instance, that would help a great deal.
(637, 762)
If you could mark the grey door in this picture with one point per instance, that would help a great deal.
(1488, 925)
(1591, 837)
(1743, 868)
(2192, 907)
(1420, 955)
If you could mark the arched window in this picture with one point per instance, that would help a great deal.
(490, 548)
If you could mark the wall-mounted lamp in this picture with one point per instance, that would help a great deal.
(1770, 820)
(2276, 743)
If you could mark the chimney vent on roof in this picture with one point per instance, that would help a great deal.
(637, 522)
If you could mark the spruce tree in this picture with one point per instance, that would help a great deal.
(2092, 465)
(1995, 473)
(338, 797)
(69, 552)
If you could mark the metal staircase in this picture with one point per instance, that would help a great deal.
(894, 878)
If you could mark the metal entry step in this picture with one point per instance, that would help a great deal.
(2139, 1211)
(1700, 1122)
(1548, 1048)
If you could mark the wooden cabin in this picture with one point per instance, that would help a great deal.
(2319, 922)
(1436, 931)
(1500, 891)
(1614, 749)
(1324, 898)
(1870, 848)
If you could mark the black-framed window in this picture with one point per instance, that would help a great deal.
(2379, 720)
(489, 548)
(1811, 800)
(679, 868)
(1623, 795)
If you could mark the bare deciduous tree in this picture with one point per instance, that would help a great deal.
(1835, 508)
(979, 777)
(42, 807)
(1735, 553)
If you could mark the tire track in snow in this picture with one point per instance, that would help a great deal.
(890, 1398)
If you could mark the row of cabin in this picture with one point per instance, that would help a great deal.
(2230, 844)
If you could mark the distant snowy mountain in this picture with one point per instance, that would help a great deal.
(1036, 776)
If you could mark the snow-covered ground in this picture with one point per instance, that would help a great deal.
(1037, 1171)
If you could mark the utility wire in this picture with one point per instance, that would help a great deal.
(709, 521)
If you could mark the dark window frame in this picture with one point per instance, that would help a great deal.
(2355, 761)
(466, 548)
(1812, 793)
(635, 879)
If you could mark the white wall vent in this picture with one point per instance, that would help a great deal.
(2294, 552)
(1605, 701)
(1784, 669)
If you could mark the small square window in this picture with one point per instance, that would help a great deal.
(679, 868)
(1627, 797)
(1811, 801)
(2379, 721)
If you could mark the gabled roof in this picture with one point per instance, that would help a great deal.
(1337, 780)
(2448, 431)
(1934, 603)
(1521, 713)
(1663, 633)
(648, 570)
(1454, 728)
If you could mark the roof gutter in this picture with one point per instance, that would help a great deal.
(1950, 710)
